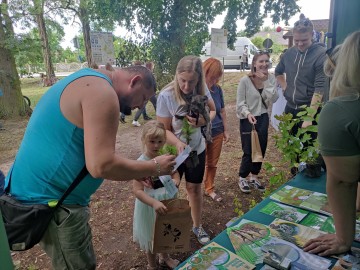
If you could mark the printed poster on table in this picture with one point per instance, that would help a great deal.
(284, 212)
(247, 238)
(214, 256)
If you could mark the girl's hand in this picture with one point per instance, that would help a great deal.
(159, 207)
(326, 245)
(180, 146)
(251, 119)
(192, 121)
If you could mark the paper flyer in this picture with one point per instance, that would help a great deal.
(293, 232)
(214, 256)
(169, 185)
(182, 157)
(284, 212)
(319, 222)
(278, 251)
(247, 237)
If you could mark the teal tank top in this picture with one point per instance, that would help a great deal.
(51, 153)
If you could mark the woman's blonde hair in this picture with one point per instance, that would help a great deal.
(346, 79)
(188, 63)
(152, 129)
(213, 68)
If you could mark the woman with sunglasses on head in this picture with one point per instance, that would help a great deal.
(254, 94)
(339, 138)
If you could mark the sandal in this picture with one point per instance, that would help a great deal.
(214, 196)
(169, 262)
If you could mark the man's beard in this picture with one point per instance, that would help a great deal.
(124, 107)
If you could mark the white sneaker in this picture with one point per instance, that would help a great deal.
(257, 184)
(244, 186)
(136, 123)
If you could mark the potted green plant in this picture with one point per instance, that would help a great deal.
(193, 160)
(300, 147)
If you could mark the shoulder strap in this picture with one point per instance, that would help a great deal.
(73, 185)
(262, 99)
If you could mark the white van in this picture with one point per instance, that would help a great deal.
(233, 59)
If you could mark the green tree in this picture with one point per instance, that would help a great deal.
(253, 14)
(11, 101)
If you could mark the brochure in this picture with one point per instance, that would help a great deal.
(214, 256)
(247, 238)
(293, 232)
(319, 222)
(325, 224)
(303, 198)
(284, 212)
(279, 252)
(349, 260)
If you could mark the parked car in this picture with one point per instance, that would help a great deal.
(233, 59)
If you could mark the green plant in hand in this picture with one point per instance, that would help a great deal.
(168, 149)
(187, 130)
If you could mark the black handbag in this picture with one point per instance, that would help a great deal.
(25, 224)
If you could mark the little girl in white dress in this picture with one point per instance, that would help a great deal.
(148, 200)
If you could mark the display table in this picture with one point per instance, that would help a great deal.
(300, 181)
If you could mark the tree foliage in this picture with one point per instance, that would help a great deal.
(254, 12)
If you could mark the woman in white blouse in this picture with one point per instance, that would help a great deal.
(255, 92)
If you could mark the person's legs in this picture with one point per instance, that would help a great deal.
(358, 198)
(68, 239)
(122, 118)
(194, 178)
(153, 101)
(166, 260)
(151, 258)
(246, 162)
(135, 122)
(213, 151)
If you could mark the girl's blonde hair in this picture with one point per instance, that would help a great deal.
(188, 63)
(152, 129)
(346, 79)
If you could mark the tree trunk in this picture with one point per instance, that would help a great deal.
(176, 30)
(39, 7)
(85, 24)
(11, 101)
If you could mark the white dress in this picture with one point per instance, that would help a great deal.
(144, 216)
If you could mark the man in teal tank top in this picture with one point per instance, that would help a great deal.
(75, 124)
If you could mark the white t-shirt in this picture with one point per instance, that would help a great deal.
(168, 107)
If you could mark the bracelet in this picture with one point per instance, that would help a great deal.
(158, 169)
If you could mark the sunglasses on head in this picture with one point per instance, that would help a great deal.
(305, 22)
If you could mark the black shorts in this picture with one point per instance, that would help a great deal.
(194, 175)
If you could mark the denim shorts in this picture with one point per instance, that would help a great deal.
(68, 239)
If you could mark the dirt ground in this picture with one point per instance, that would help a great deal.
(113, 203)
